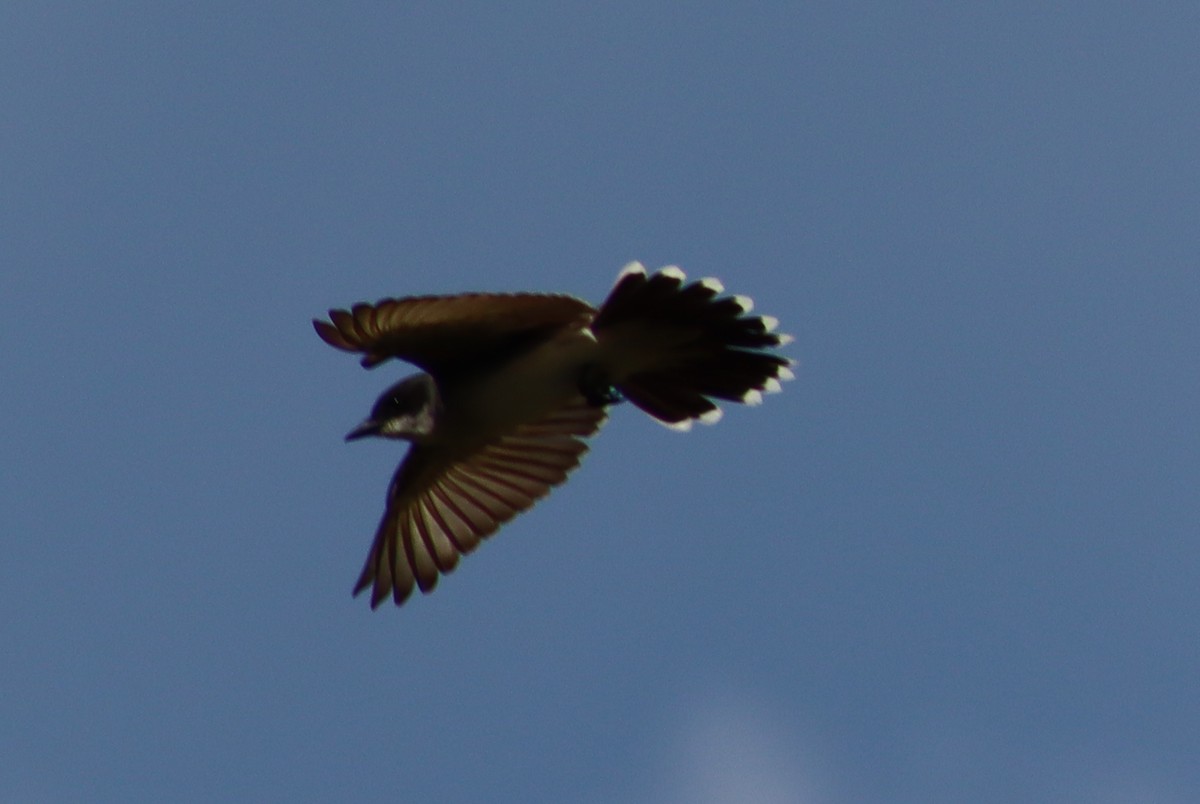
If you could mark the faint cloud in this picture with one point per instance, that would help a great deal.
(730, 748)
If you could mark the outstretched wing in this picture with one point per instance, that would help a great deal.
(439, 333)
(437, 512)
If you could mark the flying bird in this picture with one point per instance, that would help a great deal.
(513, 383)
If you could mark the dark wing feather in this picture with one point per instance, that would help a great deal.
(439, 333)
(438, 512)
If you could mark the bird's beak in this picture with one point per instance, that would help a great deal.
(369, 427)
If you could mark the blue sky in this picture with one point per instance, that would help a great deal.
(956, 560)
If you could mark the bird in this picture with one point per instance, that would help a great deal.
(512, 383)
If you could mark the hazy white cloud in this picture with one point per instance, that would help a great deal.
(729, 748)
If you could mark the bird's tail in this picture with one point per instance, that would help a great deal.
(675, 347)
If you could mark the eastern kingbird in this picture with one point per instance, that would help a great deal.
(515, 382)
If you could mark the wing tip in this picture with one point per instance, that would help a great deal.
(329, 333)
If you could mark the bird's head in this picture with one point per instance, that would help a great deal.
(407, 410)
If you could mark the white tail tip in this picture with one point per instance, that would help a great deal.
(634, 267)
(744, 302)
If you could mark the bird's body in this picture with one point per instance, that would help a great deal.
(513, 384)
(526, 387)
